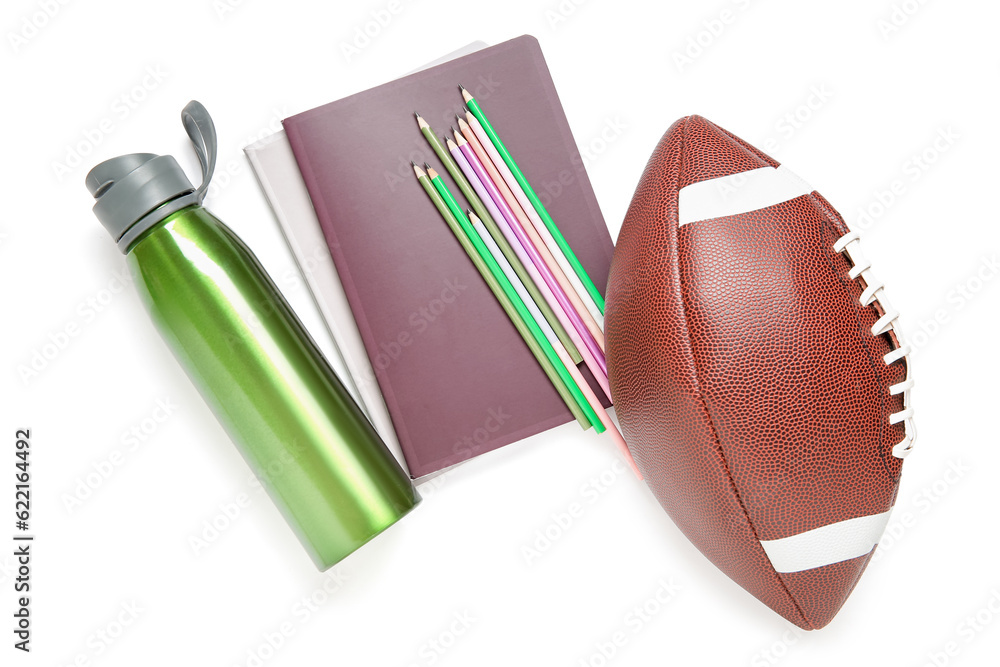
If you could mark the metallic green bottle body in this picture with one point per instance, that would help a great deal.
(292, 419)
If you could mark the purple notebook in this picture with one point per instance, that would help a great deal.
(457, 378)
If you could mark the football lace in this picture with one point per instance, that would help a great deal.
(850, 244)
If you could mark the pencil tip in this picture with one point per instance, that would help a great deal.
(412, 163)
(461, 87)
(427, 165)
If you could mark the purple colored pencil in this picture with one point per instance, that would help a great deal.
(524, 241)
(498, 208)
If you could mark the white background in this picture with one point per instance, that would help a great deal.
(867, 100)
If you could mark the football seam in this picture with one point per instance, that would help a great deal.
(866, 337)
(704, 403)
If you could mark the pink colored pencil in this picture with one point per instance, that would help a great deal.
(505, 219)
(483, 153)
(588, 393)
(529, 238)
(459, 154)
(565, 268)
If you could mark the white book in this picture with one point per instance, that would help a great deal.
(274, 164)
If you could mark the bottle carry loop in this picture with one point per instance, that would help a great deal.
(136, 191)
(201, 130)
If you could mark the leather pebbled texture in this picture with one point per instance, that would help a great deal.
(749, 387)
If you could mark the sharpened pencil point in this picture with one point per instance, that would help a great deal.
(427, 165)
(431, 172)
(418, 171)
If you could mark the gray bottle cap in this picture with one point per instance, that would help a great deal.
(137, 190)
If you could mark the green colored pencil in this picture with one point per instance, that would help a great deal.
(588, 284)
(477, 205)
(522, 313)
(551, 370)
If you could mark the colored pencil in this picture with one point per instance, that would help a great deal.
(515, 308)
(592, 355)
(534, 277)
(477, 206)
(543, 359)
(553, 266)
(478, 158)
(473, 105)
(595, 402)
(576, 287)
(520, 288)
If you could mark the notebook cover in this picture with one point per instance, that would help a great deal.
(457, 378)
(278, 174)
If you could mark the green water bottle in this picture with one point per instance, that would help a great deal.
(292, 419)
